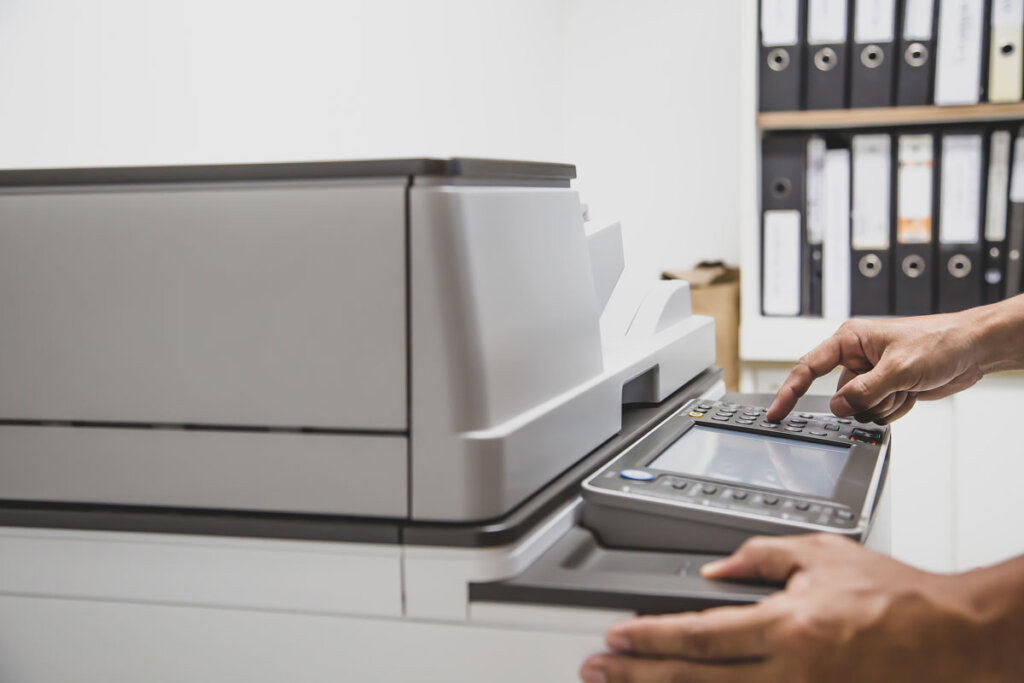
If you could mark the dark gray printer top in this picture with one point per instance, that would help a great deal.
(493, 169)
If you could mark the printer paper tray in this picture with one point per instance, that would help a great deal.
(577, 571)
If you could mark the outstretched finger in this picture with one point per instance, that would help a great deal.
(623, 669)
(719, 634)
(818, 362)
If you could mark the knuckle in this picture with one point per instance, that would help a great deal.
(805, 631)
(756, 545)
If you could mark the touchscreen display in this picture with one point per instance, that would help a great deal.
(766, 461)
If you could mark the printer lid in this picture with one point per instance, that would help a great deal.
(457, 167)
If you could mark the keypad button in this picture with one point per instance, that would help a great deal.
(739, 495)
(636, 475)
(720, 418)
(801, 505)
(680, 485)
(844, 421)
(866, 434)
(832, 428)
(744, 422)
(806, 415)
(794, 429)
(815, 433)
(770, 425)
(798, 423)
(769, 500)
(844, 515)
(709, 489)
(696, 413)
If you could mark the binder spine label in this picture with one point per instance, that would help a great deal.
(870, 192)
(1017, 177)
(1008, 13)
(826, 22)
(779, 22)
(958, 67)
(875, 20)
(961, 189)
(914, 195)
(815, 190)
(998, 186)
(917, 19)
(781, 281)
(835, 288)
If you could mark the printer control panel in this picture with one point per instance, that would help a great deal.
(714, 473)
(820, 427)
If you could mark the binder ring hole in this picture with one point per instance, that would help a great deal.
(959, 266)
(1006, 49)
(825, 59)
(778, 59)
(781, 188)
(872, 56)
(913, 266)
(870, 265)
(916, 54)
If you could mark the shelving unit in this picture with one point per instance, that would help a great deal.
(950, 455)
(888, 116)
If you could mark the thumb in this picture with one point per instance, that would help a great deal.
(864, 392)
(772, 559)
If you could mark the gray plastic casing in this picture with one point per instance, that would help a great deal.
(412, 339)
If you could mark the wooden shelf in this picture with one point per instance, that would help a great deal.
(888, 116)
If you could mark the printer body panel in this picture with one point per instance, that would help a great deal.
(271, 304)
(508, 384)
(337, 474)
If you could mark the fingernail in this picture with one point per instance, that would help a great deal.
(712, 568)
(593, 674)
(841, 407)
(618, 641)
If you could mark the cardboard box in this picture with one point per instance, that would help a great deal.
(715, 291)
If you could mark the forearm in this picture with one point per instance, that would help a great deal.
(998, 331)
(994, 597)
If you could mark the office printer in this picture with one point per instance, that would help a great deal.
(370, 391)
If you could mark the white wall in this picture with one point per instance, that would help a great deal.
(643, 95)
(654, 111)
(88, 82)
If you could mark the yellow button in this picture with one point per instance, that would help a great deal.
(694, 413)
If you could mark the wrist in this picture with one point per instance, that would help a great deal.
(995, 334)
(990, 601)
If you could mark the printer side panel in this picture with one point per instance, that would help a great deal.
(508, 387)
(235, 303)
(167, 345)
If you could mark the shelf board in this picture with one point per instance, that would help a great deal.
(888, 116)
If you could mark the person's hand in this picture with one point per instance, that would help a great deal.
(888, 365)
(846, 614)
